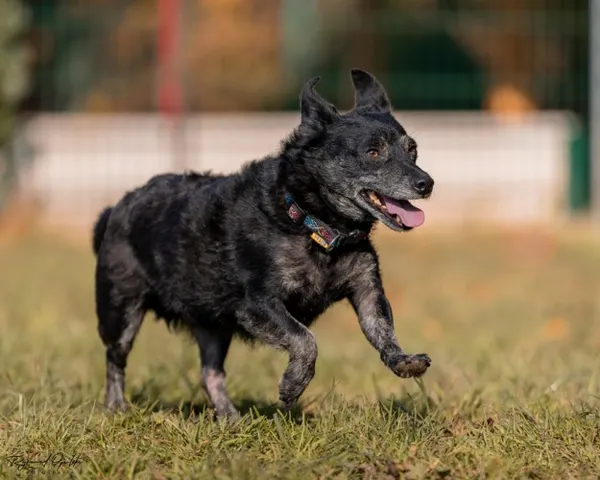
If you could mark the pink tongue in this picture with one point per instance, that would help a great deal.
(410, 215)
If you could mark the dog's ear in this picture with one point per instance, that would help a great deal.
(315, 111)
(370, 96)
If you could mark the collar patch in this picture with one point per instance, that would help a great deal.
(326, 236)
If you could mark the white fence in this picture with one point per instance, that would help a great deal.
(486, 170)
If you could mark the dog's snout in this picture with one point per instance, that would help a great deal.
(423, 185)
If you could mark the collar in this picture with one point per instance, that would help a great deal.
(323, 234)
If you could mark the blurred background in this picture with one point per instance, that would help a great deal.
(98, 95)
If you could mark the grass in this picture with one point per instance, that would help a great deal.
(511, 321)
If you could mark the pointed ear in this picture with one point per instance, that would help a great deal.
(370, 96)
(315, 111)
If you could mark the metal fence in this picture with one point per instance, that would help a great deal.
(432, 54)
(510, 59)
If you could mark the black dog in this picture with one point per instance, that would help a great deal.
(262, 253)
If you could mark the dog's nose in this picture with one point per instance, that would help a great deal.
(423, 186)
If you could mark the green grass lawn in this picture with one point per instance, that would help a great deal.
(511, 322)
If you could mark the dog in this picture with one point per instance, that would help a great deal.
(261, 253)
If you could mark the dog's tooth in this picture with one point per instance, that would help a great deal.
(375, 199)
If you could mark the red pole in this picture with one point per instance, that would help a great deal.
(169, 89)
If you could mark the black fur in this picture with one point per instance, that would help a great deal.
(100, 228)
(219, 256)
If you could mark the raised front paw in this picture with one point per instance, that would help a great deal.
(408, 366)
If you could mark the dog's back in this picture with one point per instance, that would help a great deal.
(159, 188)
(172, 246)
(144, 201)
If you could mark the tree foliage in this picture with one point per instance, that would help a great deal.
(13, 63)
(251, 54)
(13, 83)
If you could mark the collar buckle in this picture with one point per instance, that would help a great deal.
(330, 244)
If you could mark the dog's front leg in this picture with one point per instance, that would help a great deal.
(376, 321)
(270, 322)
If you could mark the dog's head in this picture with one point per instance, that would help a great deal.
(364, 161)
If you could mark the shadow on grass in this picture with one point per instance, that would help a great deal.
(407, 406)
(246, 406)
(417, 408)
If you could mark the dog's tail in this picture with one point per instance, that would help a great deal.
(100, 229)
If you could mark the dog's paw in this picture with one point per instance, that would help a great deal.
(411, 365)
(115, 403)
(117, 406)
(228, 416)
(286, 406)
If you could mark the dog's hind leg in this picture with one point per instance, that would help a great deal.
(118, 327)
(120, 306)
(273, 324)
(213, 350)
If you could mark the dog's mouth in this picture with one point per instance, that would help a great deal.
(396, 214)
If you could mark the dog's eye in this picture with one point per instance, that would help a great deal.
(373, 153)
(412, 152)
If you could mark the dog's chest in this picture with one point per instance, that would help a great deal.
(302, 274)
(307, 282)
